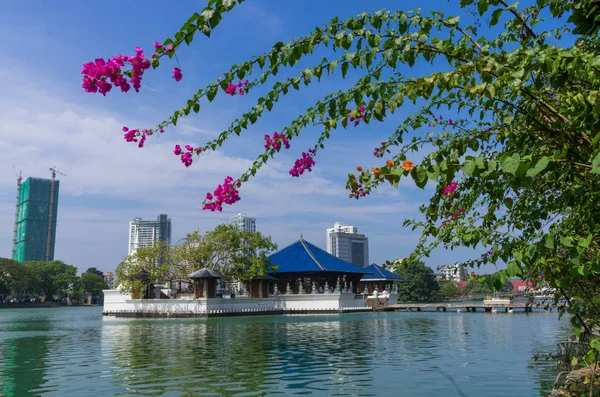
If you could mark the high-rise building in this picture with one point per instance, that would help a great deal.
(34, 220)
(456, 273)
(243, 222)
(109, 279)
(346, 243)
(144, 232)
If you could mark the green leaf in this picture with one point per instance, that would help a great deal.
(453, 21)
(540, 165)
(468, 168)
(513, 269)
(212, 92)
(482, 6)
(566, 242)
(549, 241)
(419, 175)
(595, 344)
(510, 164)
(496, 16)
(345, 67)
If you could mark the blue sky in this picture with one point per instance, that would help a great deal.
(46, 119)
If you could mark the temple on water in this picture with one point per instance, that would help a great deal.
(303, 279)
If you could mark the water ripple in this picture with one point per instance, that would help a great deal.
(76, 351)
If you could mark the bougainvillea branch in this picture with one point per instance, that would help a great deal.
(510, 121)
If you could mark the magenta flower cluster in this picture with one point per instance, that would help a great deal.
(276, 141)
(457, 214)
(177, 74)
(238, 88)
(487, 254)
(441, 119)
(304, 163)
(360, 191)
(379, 151)
(223, 194)
(361, 116)
(449, 190)
(131, 135)
(186, 157)
(97, 74)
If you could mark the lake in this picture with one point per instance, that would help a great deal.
(76, 351)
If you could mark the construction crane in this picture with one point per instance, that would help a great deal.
(19, 176)
(54, 172)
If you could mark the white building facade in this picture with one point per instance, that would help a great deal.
(243, 222)
(456, 273)
(109, 278)
(346, 243)
(144, 232)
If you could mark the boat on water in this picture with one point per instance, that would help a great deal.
(497, 301)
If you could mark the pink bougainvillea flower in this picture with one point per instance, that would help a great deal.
(177, 74)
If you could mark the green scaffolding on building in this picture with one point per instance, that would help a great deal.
(33, 213)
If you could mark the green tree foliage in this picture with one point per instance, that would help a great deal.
(32, 279)
(93, 283)
(479, 288)
(233, 252)
(93, 270)
(448, 289)
(54, 277)
(419, 281)
(236, 253)
(146, 266)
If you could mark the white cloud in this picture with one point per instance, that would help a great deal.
(110, 181)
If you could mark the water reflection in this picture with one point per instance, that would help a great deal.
(79, 352)
(229, 356)
(23, 365)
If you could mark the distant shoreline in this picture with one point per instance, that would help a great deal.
(48, 305)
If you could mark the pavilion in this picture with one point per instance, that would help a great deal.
(303, 268)
(377, 277)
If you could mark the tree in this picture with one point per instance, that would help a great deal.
(93, 283)
(448, 289)
(241, 254)
(516, 170)
(476, 289)
(54, 277)
(419, 281)
(146, 266)
(93, 270)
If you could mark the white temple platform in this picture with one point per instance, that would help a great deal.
(122, 305)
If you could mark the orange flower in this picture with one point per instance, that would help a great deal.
(376, 172)
(389, 163)
(359, 169)
(408, 165)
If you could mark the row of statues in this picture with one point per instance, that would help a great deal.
(348, 288)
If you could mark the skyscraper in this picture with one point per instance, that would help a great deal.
(243, 222)
(144, 232)
(345, 243)
(33, 222)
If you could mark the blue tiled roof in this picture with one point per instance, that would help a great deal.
(304, 257)
(377, 273)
